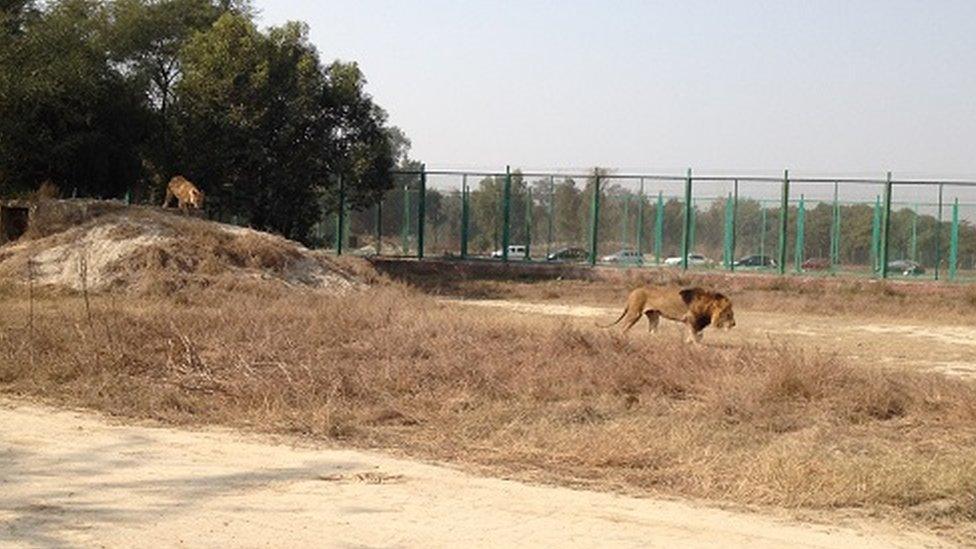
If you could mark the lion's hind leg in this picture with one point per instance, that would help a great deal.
(630, 319)
(653, 318)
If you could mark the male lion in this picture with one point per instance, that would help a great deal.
(186, 193)
(695, 307)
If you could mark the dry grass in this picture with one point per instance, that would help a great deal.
(757, 292)
(389, 367)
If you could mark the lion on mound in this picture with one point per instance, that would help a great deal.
(186, 193)
(695, 307)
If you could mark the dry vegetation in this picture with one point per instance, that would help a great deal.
(391, 367)
(753, 291)
(201, 323)
(148, 251)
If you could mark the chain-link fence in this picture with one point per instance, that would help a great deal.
(816, 226)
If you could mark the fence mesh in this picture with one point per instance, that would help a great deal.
(831, 227)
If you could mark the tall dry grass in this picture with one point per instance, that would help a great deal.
(542, 397)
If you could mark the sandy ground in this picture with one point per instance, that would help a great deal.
(931, 346)
(74, 479)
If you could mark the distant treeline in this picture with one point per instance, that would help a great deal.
(111, 98)
(619, 207)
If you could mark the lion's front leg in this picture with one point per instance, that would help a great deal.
(692, 333)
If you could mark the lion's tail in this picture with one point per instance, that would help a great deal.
(614, 323)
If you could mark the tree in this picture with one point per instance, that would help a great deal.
(146, 38)
(109, 97)
(14, 15)
(65, 115)
(259, 114)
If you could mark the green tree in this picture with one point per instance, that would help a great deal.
(146, 38)
(65, 114)
(258, 115)
(568, 201)
(104, 98)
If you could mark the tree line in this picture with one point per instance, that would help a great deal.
(111, 98)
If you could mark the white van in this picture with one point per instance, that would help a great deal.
(515, 251)
(624, 256)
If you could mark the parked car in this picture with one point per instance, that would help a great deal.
(568, 254)
(697, 260)
(755, 261)
(624, 256)
(515, 251)
(906, 267)
(815, 264)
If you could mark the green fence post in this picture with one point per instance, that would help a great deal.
(640, 221)
(464, 216)
(552, 201)
(340, 216)
(885, 226)
(840, 236)
(528, 222)
(726, 242)
(801, 215)
(875, 233)
(913, 243)
(659, 228)
(954, 241)
(735, 210)
(594, 216)
(762, 233)
(784, 216)
(405, 228)
(506, 211)
(938, 236)
(421, 211)
(379, 225)
(623, 223)
(694, 226)
(686, 230)
(835, 233)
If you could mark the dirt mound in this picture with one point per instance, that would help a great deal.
(111, 246)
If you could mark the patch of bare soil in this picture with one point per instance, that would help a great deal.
(73, 479)
(152, 251)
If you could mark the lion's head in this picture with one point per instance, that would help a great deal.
(709, 308)
(196, 198)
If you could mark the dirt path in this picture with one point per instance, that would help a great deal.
(74, 479)
(950, 349)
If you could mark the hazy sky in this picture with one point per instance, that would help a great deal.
(824, 87)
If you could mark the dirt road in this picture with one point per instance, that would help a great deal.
(74, 479)
(929, 346)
